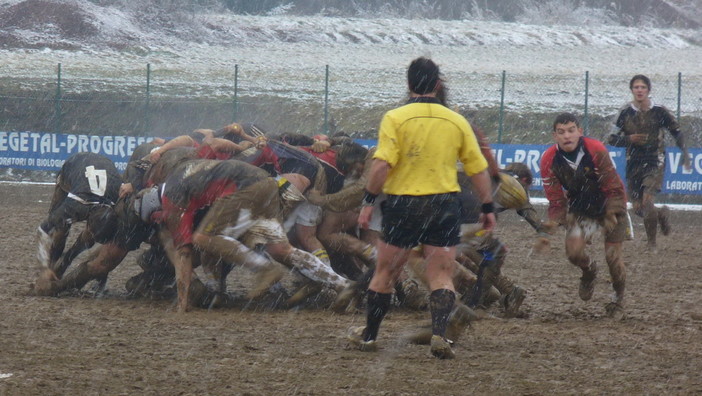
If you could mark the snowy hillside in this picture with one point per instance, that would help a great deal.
(195, 53)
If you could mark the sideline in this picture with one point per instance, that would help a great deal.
(534, 200)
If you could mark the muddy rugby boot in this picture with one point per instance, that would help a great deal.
(441, 347)
(587, 282)
(355, 338)
(664, 220)
(198, 293)
(511, 301)
(460, 319)
(345, 296)
(615, 311)
(46, 283)
(308, 289)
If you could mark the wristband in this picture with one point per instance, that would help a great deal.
(487, 208)
(368, 198)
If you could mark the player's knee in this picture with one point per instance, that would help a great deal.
(577, 257)
(200, 240)
(279, 251)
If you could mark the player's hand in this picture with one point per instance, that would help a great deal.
(320, 146)
(686, 164)
(364, 217)
(261, 142)
(153, 157)
(638, 138)
(315, 197)
(125, 189)
(245, 144)
(488, 221)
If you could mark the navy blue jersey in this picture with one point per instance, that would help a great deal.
(91, 177)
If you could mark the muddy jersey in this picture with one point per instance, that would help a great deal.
(350, 195)
(278, 158)
(335, 178)
(203, 181)
(196, 184)
(652, 123)
(136, 168)
(90, 178)
(588, 186)
(169, 161)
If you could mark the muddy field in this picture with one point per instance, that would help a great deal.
(118, 346)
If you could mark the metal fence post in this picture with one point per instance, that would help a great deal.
(502, 107)
(586, 117)
(148, 99)
(679, 93)
(235, 103)
(57, 102)
(326, 101)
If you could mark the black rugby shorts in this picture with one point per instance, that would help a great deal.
(428, 219)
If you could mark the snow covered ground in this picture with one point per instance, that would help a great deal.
(286, 56)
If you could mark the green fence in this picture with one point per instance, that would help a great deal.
(510, 107)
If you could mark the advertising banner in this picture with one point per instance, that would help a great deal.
(677, 179)
(48, 151)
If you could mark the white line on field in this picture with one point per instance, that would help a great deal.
(685, 207)
(536, 201)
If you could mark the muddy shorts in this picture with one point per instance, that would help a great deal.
(586, 228)
(238, 212)
(644, 178)
(429, 219)
(304, 214)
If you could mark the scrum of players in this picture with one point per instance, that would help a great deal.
(284, 207)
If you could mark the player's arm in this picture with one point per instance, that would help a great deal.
(557, 200)
(374, 186)
(220, 145)
(672, 125)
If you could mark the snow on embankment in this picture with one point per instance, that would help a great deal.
(79, 24)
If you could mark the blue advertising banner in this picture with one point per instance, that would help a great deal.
(677, 179)
(48, 151)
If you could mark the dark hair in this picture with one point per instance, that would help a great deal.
(565, 118)
(521, 171)
(641, 77)
(349, 153)
(197, 136)
(423, 75)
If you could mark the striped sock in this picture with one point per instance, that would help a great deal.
(322, 254)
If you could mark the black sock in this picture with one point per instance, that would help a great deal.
(440, 304)
(378, 305)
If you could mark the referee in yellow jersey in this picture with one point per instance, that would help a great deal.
(419, 145)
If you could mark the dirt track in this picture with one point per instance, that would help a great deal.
(115, 346)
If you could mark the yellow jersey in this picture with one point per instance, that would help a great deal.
(422, 141)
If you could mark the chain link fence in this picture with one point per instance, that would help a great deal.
(510, 107)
